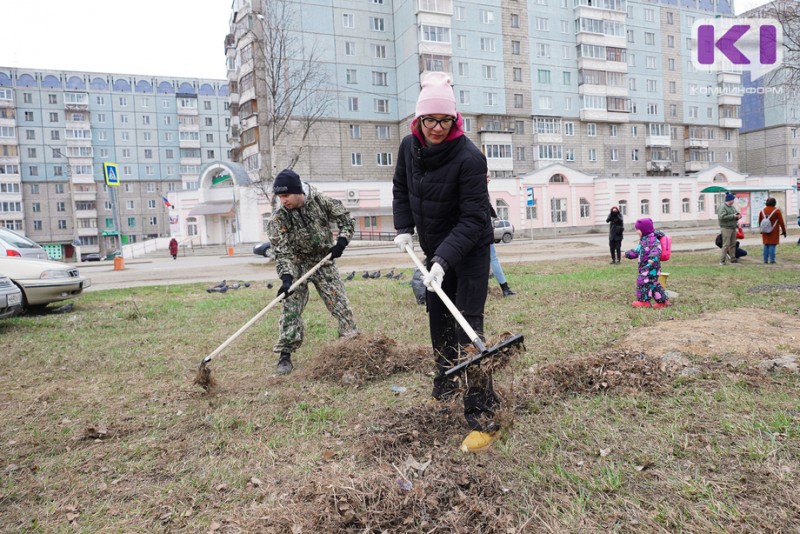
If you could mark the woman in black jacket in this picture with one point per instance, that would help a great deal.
(439, 190)
(615, 234)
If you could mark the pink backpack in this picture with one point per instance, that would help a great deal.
(666, 247)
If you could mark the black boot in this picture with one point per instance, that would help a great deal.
(506, 290)
(285, 364)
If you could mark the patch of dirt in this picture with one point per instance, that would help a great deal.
(729, 336)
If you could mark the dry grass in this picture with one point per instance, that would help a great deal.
(610, 424)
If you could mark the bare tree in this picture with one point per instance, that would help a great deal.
(787, 76)
(292, 88)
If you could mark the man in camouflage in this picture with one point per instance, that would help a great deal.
(300, 233)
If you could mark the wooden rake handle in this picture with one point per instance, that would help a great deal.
(267, 308)
(476, 340)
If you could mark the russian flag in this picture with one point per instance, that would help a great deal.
(166, 202)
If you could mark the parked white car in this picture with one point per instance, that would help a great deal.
(43, 281)
(10, 298)
(17, 245)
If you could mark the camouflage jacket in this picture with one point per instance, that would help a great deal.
(304, 235)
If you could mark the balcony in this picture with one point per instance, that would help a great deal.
(730, 122)
(695, 166)
(729, 100)
(657, 140)
(547, 139)
(694, 142)
(657, 165)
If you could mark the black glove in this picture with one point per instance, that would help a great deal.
(287, 283)
(338, 248)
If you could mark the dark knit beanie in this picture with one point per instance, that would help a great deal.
(287, 183)
(729, 197)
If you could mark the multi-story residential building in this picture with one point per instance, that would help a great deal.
(57, 128)
(770, 134)
(602, 86)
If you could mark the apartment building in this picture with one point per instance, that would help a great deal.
(57, 128)
(605, 87)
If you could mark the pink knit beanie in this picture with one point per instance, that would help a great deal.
(436, 96)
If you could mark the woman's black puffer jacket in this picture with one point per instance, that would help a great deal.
(441, 191)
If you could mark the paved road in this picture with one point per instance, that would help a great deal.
(163, 270)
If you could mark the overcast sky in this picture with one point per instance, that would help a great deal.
(183, 38)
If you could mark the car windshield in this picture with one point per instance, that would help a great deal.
(16, 239)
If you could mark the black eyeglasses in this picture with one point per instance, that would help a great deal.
(430, 122)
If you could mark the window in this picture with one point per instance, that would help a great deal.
(463, 97)
(463, 69)
(489, 72)
(569, 128)
(352, 103)
(29, 116)
(384, 159)
(381, 105)
(53, 116)
(665, 206)
(352, 76)
(558, 210)
(487, 17)
(516, 48)
(592, 154)
(517, 74)
(349, 48)
(355, 159)
(584, 208)
(543, 76)
(591, 129)
(355, 131)
(435, 34)
(545, 102)
(379, 51)
(348, 20)
(62, 224)
(132, 222)
(519, 127)
(377, 24)
(634, 154)
(148, 153)
(52, 99)
(490, 99)
(383, 132)
(487, 44)
(649, 38)
(644, 207)
(514, 20)
(614, 154)
(542, 50)
(542, 24)
(685, 205)
(380, 78)
(569, 154)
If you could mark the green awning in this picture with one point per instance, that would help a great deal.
(714, 189)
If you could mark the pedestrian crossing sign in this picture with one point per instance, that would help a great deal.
(110, 172)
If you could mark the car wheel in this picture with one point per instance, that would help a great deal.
(506, 238)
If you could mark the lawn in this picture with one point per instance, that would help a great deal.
(685, 419)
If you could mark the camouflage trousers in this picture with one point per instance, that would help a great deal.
(330, 289)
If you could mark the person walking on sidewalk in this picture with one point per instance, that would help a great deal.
(300, 233)
(615, 231)
(173, 248)
(771, 240)
(728, 221)
(439, 189)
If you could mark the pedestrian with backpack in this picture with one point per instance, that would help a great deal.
(649, 253)
(771, 224)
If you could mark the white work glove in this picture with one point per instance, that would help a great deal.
(434, 277)
(402, 240)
